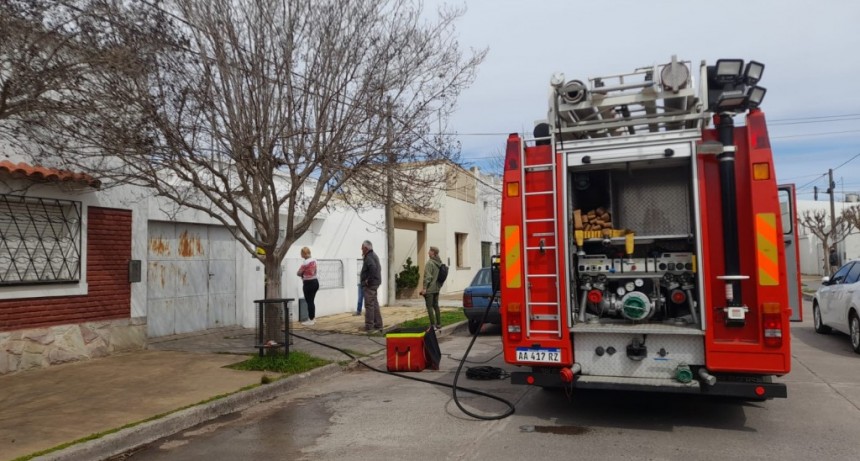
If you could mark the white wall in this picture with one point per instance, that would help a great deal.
(480, 221)
(339, 238)
(811, 251)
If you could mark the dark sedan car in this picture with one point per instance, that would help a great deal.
(476, 297)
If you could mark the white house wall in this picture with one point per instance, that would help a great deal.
(811, 251)
(337, 237)
(481, 223)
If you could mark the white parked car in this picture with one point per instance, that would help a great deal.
(837, 303)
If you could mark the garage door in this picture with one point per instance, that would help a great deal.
(191, 278)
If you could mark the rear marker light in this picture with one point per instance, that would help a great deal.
(761, 171)
(759, 391)
(772, 324)
(530, 379)
(514, 322)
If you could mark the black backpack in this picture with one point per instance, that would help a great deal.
(443, 274)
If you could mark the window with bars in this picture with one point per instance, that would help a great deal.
(330, 273)
(40, 240)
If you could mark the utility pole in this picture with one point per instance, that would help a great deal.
(389, 200)
(832, 192)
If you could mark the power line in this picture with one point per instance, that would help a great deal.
(826, 133)
(814, 117)
(825, 174)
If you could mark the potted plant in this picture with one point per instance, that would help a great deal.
(407, 280)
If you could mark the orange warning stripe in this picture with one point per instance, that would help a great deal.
(767, 257)
(513, 258)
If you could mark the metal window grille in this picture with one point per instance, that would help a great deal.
(40, 240)
(330, 273)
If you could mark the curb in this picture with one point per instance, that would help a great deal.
(127, 439)
(130, 438)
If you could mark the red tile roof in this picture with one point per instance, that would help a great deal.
(40, 173)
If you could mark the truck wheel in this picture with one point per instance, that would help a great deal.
(820, 327)
(474, 326)
(854, 332)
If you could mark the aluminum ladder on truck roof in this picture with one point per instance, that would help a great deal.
(550, 311)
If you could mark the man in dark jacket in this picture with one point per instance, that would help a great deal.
(834, 261)
(370, 278)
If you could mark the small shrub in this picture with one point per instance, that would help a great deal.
(408, 277)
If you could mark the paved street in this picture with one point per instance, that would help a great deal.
(367, 415)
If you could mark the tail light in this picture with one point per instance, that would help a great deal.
(467, 300)
(678, 296)
(595, 296)
(772, 322)
(514, 322)
(512, 152)
(757, 130)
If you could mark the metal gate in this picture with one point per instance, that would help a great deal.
(191, 278)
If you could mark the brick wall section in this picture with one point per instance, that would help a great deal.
(109, 297)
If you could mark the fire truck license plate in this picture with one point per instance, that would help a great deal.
(538, 355)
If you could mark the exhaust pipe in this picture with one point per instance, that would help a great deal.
(706, 377)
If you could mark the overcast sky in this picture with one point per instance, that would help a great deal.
(811, 50)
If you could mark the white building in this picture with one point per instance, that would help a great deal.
(465, 227)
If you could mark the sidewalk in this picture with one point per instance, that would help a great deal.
(41, 409)
(808, 285)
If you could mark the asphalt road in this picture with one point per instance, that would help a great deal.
(367, 415)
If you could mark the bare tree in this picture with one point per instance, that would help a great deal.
(818, 223)
(48, 52)
(261, 113)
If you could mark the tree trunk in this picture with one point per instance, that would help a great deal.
(273, 313)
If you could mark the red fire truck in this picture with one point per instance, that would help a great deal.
(644, 237)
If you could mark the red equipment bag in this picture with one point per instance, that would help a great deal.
(411, 349)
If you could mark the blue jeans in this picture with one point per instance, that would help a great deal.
(360, 299)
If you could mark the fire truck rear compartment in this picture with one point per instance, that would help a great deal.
(635, 302)
(641, 265)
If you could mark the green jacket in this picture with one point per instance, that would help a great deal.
(431, 273)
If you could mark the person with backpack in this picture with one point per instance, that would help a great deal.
(431, 287)
(834, 261)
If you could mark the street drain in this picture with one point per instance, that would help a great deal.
(559, 430)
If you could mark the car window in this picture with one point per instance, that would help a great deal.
(482, 277)
(853, 274)
(839, 276)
